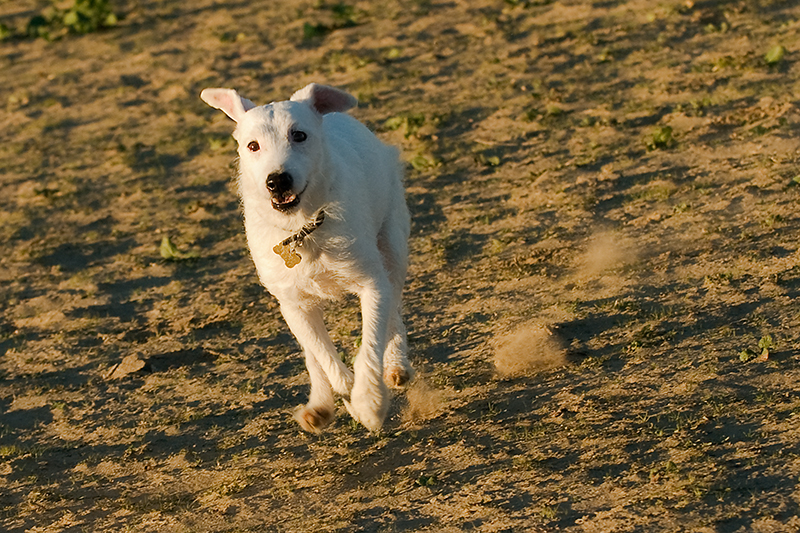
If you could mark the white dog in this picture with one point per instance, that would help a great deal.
(325, 214)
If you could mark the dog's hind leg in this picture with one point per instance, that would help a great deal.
(369, 399)
(397, 370)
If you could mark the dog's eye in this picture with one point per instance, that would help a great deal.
(253, 146)
(299, 136)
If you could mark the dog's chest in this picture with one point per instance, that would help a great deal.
(316, 276)
(320, 283)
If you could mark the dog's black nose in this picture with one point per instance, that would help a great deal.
(279, 182)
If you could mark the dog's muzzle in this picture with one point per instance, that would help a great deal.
(281, 188)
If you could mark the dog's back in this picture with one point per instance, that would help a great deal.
(367, 174)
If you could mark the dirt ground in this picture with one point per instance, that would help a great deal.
(601, 301)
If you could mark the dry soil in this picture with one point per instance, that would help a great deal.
(601, 302)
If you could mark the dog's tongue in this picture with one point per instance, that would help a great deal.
(284, 199)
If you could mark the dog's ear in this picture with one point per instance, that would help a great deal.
(325, 99)
(228, 101)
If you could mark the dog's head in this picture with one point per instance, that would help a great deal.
(281, 145)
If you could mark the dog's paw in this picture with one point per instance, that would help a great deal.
(313, 419)
(369, 406)
(343, 383)
(397, 376)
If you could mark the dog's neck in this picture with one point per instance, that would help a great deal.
(306, 230)
(287, 248)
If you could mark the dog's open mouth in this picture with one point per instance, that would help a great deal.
(285, 201)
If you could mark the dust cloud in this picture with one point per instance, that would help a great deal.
(529, 349)
(605, 253)
(423, 402)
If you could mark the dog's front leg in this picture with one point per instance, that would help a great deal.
(318, 412)
(369, 397)
(324, 367)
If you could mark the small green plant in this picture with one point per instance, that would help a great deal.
(495, 247)
(217, 143)
(393, 53)
(550, 114)
(38, 26)
(426, 480)
(553, 110)
(718, 279)
(746, 355)
(310, 31)
(765, 344)
(774, 55)
(530, 115)
(605, 56)
(634, 347)
(422, 163)
(771, 220)
(662, 471)
(170, 252)
(661, 139)
(487, 160)
(345, 15)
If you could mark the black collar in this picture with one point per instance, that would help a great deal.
(287, 248)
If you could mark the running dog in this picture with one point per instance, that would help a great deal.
(325, 215)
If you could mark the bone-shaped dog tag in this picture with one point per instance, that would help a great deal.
(287, 253)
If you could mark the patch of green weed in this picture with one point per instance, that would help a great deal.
(10, 450)
(421, 162)
(410, 123)
(765, 344)
(340, 61)
(86, 16)
(695, 107)
(549, 512)
(771, 221)
(81, 17)
(660, 139)
(343, 16)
